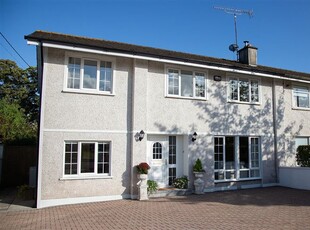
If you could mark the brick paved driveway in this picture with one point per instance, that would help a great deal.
(263, 208)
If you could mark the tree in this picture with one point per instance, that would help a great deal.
(303, 155)
(21, 87)
(14, 126)
(19, 102)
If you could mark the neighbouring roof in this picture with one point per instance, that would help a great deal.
(112, 46)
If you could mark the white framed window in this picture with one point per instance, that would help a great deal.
(186, 83)
(301, 97)
(243, 90)
(236, 158)
(88, 75)
(87, 158)
(301, 141)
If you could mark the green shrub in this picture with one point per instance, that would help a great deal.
(152, 186)
(181, 182)
(303, 155)
(198, 166)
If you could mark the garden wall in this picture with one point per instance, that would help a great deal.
(295, 177)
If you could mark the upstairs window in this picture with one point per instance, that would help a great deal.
(185, 83)
(301, 97)
(89, 75)
(243, 90)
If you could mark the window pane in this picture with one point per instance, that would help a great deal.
(254, 91)
(254, 153)
(74, 67)
(200, 85)
(301, 141)
(186, 83)
(100, 168)
(173, 82)
(70, 157)
(244, 174)
(230, 153)
(244, 152)
(106, 168)
(233, 85)
(90, 74)
(105, 83)
(88, 158)
(172, 175)
(157, 151)
(218, 153)
(244, 90)
(172, 149)
(301, 97)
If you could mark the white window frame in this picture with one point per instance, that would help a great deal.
(294, 103)
(80, 175)
(237, 160)
(194, 72)
(96, 58)
(250, 80)
(307, 138)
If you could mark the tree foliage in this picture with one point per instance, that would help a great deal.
(303, 155)
(19, 102)
(21, 87)
(14, 126)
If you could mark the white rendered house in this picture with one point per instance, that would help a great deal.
(98, 95)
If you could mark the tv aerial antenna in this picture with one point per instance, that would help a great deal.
(234, 47)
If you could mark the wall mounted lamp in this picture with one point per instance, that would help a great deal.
(194, 136)
(141, 135)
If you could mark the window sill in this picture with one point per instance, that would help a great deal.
(244, 103)
(187, 98)
(301, 108)
(236, 180)
(84, 177)
(81, 91)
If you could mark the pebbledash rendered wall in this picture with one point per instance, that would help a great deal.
(211, 117)
(83, 117)
(291, 122)
(140, 103)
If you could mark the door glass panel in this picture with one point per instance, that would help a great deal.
(172, 175)
(157, 151)
(172, 150)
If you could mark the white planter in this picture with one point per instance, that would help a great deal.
(199, 183)
(142, 187)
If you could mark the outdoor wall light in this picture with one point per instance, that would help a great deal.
(194, 136)
(217, 78)
(141, 135)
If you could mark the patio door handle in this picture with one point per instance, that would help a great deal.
(166, 161)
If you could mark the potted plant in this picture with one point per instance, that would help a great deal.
(199, 173)
(142, 170)
(152, 187)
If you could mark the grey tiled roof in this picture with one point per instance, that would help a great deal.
(119, 47)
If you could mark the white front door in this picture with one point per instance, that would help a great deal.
(162, 158)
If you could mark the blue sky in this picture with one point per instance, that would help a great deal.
(280, 28)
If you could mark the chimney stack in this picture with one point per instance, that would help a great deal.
(248, 54)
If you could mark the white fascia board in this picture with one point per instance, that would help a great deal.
(73, 48)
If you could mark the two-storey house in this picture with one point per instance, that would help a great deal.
(107, 106)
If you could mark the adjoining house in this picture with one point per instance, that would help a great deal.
(97, 96)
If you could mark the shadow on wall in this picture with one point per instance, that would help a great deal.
(224, 118)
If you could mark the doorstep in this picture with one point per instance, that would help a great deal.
(162, 192)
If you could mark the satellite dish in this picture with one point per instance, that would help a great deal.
(233, 47)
